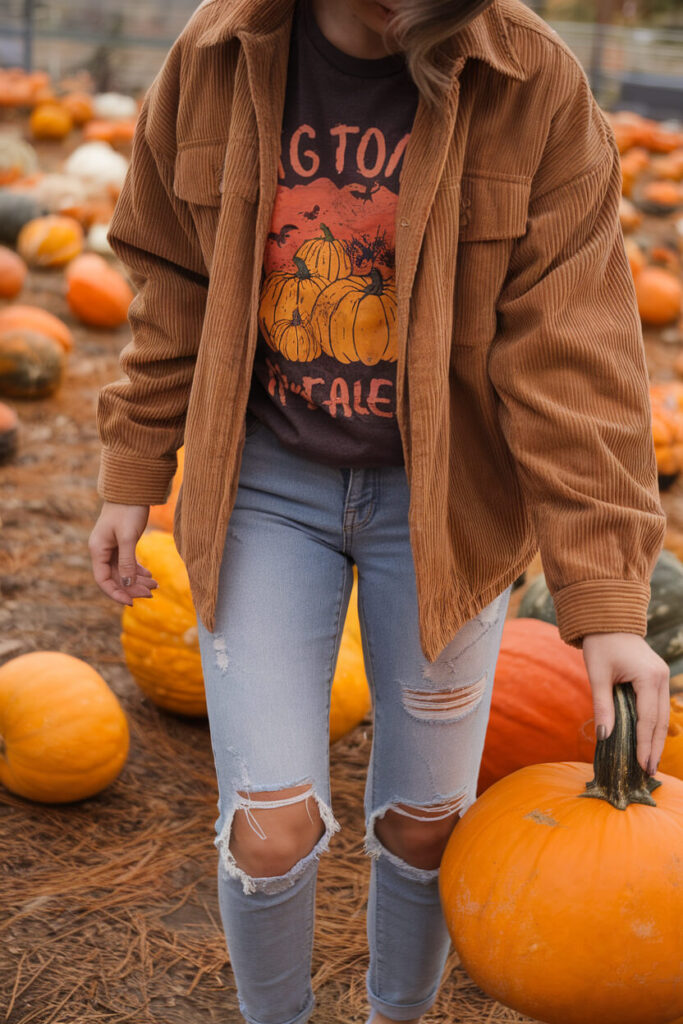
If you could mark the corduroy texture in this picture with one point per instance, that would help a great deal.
(522, 389)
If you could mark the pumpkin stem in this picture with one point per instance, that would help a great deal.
(301, 268)
(376, 286)
(296, 317)
(327, 234)
(619, 779)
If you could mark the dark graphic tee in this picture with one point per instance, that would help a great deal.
(325, 368)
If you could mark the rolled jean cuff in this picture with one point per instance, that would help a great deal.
(398, 1013)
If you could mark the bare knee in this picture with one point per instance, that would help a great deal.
(268, 841)
(418, 835)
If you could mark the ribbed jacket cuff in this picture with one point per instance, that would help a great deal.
(601, 606)
(132, 480)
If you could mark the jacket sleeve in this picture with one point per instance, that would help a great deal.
(141, 418)
(568, 365)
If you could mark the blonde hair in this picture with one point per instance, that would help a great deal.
(423, 30)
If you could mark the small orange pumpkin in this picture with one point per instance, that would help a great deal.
(294, 338)
(63, 733)
(636, 256)
(50, 241)
(659, 296)
(33, 318)
(50, 121)
(112, 132)
(13, 272)
(629, 216)
(31, 364)
(97, 293)
(659, 196)
(326, 256)
(80, 105)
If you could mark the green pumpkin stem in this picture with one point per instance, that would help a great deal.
(376, 286)
(619, 779)
(301, 268)
(327, 234)
(296, 317)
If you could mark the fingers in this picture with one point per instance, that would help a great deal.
(603, 703)
(127, 563)
(662, 727)
(653, 709)
(107, 561)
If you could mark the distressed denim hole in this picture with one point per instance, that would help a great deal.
(441, 809)
(250, 802)
(444, 705)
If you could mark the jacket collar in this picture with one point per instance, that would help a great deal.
(485, 37)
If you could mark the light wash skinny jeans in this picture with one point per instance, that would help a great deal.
(296, 528)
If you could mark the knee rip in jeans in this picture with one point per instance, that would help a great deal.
(444, 705)
(435, 811)
(272, 883)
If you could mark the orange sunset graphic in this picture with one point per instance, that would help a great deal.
(329, 282)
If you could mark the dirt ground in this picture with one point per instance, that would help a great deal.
(109, 906)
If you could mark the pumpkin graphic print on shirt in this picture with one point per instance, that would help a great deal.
(324, 378)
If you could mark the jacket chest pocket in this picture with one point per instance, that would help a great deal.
(492, 207)
(493, 215)
(203, 173)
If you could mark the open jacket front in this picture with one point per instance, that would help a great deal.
(522, 388)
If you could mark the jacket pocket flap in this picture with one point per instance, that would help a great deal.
(493, 207)
(198, 173)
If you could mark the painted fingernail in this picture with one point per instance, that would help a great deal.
(125, 580)
(601, 731)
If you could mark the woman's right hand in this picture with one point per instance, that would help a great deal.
(112, 549)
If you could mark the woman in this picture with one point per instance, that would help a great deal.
(428, 383)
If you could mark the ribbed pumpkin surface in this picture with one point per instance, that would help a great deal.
(63, 733)
(159, 635)
(542, 706)
(566, 908)
(161, 647)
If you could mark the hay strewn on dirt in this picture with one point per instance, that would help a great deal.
(109, 908)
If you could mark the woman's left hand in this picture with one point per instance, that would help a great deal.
(626, 657)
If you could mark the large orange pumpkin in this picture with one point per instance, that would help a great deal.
(63, 733)
(97, 293)
(569, 909)
(542, 704)
(355, 319)
(161, 647)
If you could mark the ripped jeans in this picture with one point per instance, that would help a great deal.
(286, 575)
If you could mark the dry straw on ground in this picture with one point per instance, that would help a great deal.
(110, 909)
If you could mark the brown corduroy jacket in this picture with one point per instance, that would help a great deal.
(522, 388)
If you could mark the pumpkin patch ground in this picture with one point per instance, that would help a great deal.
(109, 905)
